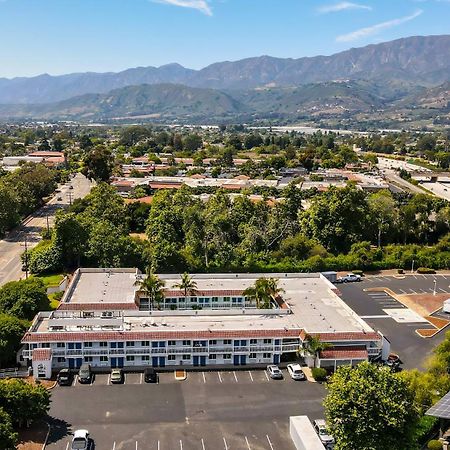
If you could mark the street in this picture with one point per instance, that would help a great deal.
(13, 245)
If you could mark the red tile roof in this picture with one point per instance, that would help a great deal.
(96, 306)
(347, 336)
(42, 354)
(350, 352)
(78, 336)
(205, 293)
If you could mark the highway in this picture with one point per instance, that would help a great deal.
(13, 245)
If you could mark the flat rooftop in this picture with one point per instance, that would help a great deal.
(313, 306)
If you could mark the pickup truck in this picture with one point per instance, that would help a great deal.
(349, 278)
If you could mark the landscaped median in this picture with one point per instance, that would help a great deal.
(425, 305)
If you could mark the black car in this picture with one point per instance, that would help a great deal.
(64, 377)
(150, 375)
(85, 374)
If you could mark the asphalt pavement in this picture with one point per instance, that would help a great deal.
(12, 247)
(208, 411)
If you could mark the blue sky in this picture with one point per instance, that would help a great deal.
(63, 36)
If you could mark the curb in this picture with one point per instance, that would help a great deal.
(52, 386)
(46, 437)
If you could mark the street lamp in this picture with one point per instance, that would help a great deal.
(434, 289)
(412, 267)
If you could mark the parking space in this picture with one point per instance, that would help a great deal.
(245, 410)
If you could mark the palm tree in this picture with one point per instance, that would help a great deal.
(153, 287)
(187, 285)
(263, 292)
(313, 346)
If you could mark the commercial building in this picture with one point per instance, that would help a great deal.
(106, 321)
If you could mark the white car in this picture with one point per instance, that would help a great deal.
(81, 440)
(274, 372)
(296, 372)
(322, 431)
(351, 278)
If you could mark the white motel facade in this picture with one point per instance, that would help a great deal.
(104, 320)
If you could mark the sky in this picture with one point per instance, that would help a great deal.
(65, 36)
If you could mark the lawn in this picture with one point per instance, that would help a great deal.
(52, 280)
(54, 300)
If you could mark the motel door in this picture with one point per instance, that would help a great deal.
(236, 360)
(243, 360)
(196, 360)
(154, 361)
(203, 360)
(162, 361)
(117, 362)
(75, 363)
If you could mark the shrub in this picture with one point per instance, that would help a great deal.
(425, 270)
(435, 445)
(358, 272)
(400, 271)
(319, 373)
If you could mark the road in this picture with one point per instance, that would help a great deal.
(392, 177)
(13, 245)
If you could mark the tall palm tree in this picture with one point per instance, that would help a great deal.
(187, 285)
(263, 292)
(153, 287)
(313, 346)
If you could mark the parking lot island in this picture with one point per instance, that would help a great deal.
(106, 321)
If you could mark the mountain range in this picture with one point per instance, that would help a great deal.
(409, 75)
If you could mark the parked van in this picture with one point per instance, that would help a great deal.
(85, 374)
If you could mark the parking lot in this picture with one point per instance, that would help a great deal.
(381, 310)
(242, 409)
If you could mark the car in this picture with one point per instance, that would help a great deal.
(116, 376)
(296, 372)
(85, 374)
(393, 362)
(274, 372)
(81, 440)
(350, 278)
(150, 375)
(322, 431)
(70, 187)
(64, 377)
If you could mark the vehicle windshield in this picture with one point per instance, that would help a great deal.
(323, 431)
(79, 444)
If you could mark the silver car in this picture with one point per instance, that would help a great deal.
(322, 431)
(274, 372)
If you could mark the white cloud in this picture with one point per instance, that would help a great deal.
(342, 6)
(374, 29)
(200, 5)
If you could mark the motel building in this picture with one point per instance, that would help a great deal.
(104, 320)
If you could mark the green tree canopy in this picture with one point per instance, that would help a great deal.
(8, 437)
(11, 331)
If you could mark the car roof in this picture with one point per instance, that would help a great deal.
(150, 370)
(320, 422)
(80, 433)
(296, 366)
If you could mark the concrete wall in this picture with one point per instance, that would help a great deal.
(303, 434)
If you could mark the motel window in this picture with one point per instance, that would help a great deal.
(145, 343)
(212, 356)
(61, 360)
(212, 342)
(193, 299)
(87, 344)
(103, 344)
(226, 299)
(171, 358)
(227, 342)
(145, 358)
(88, 359)
(267, 341)
(171, 343)
(181, 300)
(45, 345)
(130, 358)
(253, 341)
(103, 359)
(227, 356)
(130, 343)
(252, 356)
(186, 357)
(187, 343)
(267, 355)
(215, 299)
(60, 344)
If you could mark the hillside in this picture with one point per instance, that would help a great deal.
(416, 60)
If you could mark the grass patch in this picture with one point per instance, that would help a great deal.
(52, 280)
(55, 299)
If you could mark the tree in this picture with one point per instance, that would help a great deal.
(263, 292)
(98, 164)
(187, 285)
(192, 142)
(9, 214)
(370, 408)
(152, 287)
(312, 346)
(23, 299)
(23, 402)
(8, 437)
(11, 331)
(383, 211)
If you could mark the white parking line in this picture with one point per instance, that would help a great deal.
(444, 291)
(136, 446)
(76, 380)
(415, 277)
(235, 377)
(114, 446)
(251, 376)
(267, 376)
(248, 445)
(158, 445)
(225, 443)
(220, 378)
(203, 445)
(268, 440)
(142, 376)
(109, 379)
(402, 291)
(414, 292)
(67, 446)
(181, 444)
(204, 377)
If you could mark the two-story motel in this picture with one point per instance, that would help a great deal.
(104, 320)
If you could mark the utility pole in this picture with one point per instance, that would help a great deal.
(26, 256)
(69, 194)
(48, 226)
(434, 290)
